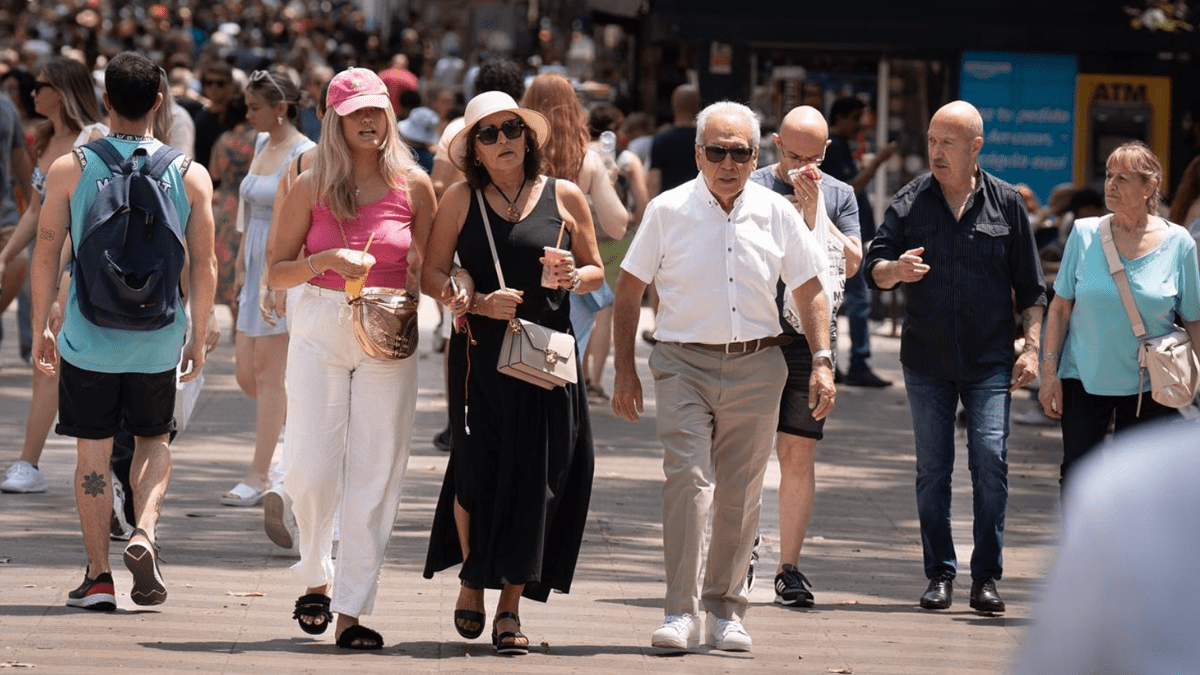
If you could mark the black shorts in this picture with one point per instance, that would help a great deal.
(97, 405)
(794, 416)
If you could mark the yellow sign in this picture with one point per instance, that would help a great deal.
(1113, 109)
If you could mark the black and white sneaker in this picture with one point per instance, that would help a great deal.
(753, 560)
(790, 588)
(119, 526)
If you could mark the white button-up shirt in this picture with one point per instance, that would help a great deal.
(716, 272)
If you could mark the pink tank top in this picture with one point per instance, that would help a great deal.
(390, 219)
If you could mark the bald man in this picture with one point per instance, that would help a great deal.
(959, 240)
(831, 212)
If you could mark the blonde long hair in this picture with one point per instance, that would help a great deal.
(333, 167)
(553, 96)
(75, 87)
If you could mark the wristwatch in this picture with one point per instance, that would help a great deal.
(823, 354)
(575, 281)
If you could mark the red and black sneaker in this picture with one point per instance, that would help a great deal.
(94, 594)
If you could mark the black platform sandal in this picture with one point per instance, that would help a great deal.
(315, 608)
(360, 637)
(506, 642)
(464, 619)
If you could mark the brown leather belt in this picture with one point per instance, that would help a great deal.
(743, 347)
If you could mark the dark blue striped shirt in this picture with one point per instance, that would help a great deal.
(959, 319)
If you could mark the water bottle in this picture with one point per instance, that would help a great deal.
(608, 148)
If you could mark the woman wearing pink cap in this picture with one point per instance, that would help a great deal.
(515, 498)
(349, 416)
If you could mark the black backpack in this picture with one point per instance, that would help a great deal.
(130, 255)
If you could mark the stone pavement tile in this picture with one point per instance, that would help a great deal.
(231, 593)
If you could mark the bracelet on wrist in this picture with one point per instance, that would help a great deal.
(1049, 356)
(311, 268)
(576, 279)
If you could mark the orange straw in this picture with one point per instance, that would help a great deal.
(558, 243)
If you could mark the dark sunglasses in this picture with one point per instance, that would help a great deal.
(491, 133)
(38, 85)
(214, 83)
(716, 154)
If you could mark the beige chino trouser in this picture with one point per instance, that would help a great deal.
(717, 415)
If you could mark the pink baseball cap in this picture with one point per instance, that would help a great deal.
(357, 88)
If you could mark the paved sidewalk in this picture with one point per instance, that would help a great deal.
(231, 593)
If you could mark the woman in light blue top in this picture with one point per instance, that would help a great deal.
(1089, 364)
(272, 103)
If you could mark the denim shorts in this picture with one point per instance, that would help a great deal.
(795, 417)
(96, 405)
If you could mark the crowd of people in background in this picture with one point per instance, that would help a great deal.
(325, 135)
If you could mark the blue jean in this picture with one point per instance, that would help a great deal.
(934, 403)
(856, 305)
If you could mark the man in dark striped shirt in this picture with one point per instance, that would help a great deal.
(960, 241)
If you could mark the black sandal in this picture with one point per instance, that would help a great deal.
(359, 636)
(465, 618)
(315, 607)
(512, 648)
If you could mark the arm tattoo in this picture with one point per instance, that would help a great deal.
(48, 235)
(93, 484)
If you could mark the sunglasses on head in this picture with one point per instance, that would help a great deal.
(262, 75)
(716, 154)
(491, 133)
(38, 85)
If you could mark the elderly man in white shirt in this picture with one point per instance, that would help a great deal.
(715, 247)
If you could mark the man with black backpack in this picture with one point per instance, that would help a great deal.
(130, 206)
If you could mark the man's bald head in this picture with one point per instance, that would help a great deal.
(954, 139)
(961, 116)
(802, 138)
(685, 104)
(805, 120)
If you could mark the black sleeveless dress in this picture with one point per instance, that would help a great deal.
(524, 469)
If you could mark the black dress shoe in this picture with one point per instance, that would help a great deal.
(866, 378)
(940, 593)
(984, 597)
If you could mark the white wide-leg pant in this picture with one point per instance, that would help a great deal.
(350, 421)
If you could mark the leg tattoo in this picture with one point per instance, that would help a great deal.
(93, 484)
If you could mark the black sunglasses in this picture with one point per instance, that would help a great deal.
(213, 83)
(491, 133)
(716, 154)
(38, 85)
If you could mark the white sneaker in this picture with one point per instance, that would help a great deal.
(728, 635)
(23, 477)
(278, 521)
(678, 631)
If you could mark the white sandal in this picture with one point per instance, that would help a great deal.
(242, 495)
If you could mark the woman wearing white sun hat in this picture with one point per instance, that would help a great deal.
(515, 497)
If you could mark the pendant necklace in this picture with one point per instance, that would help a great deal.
(513, 213)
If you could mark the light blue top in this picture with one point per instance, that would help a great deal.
(109, 350)
(1101, 350)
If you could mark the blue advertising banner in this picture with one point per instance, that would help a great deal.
(1028, 106)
